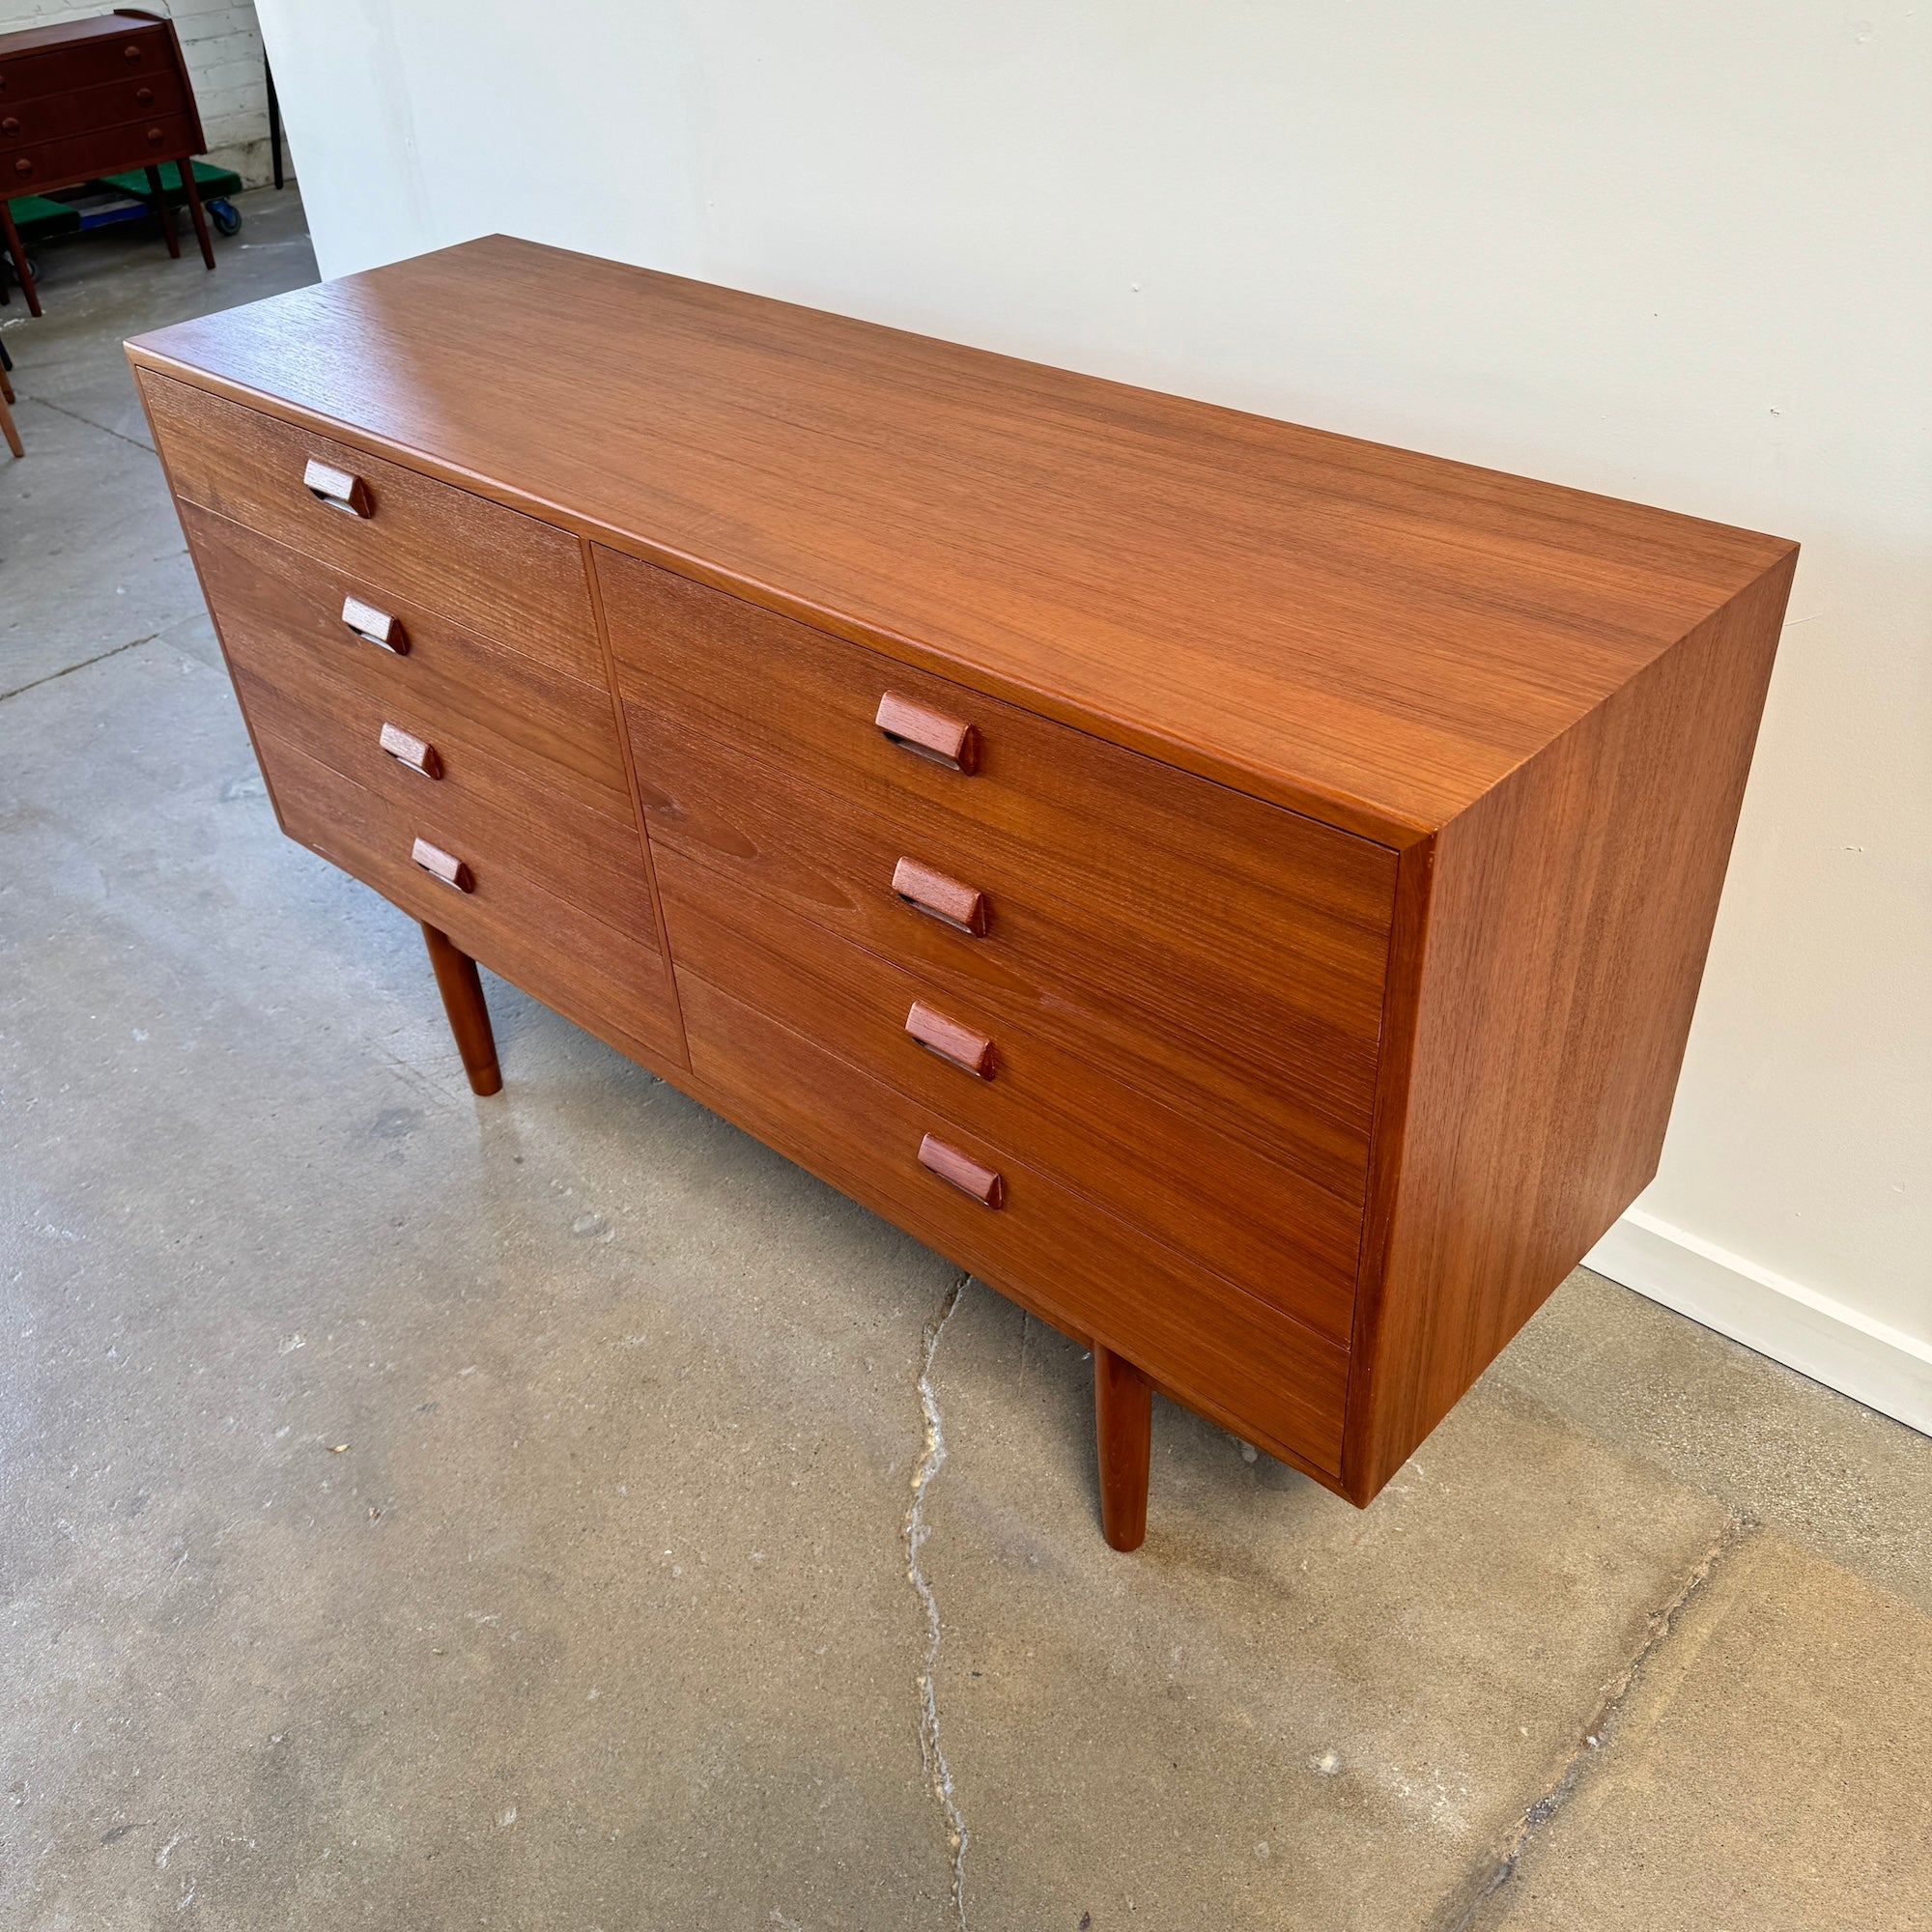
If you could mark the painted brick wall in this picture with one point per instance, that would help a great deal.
(223, 46)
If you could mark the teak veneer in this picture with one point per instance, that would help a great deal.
(1240, 890)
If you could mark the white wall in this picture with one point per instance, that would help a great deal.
(1676, 252)
(222, 45)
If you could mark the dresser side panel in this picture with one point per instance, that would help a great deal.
(1557, 939)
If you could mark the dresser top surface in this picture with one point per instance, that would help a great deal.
(66, 33)
(1356, 631)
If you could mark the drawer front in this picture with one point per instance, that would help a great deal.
(614, 986)
(459, 798)
(1221, 1350)
(143, 50)
(76, 157)
(1103, 995)
(49, 117)
(269, 599)
(1271, 1229)
(517, 582)
(1250, 929)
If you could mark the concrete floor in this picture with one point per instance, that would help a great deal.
(424, 1512)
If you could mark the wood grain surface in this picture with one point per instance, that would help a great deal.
(1206, 1193)
(964, 1046)
(558, 729)
(1237, 1050)
(94, 71)
(954, 902)
(1339, 829)
(305, 678)
(138, 96)
(63, 159)
(442, 864)
(1122, 1440)
(928, 733)
(80, 53)
(518, 582)
(1276, 902)
(1546, 1008)
(467, 1014)
(1227, 1354)
(1368, 633)
(616, 986)
(476, 803)
(960, 1170)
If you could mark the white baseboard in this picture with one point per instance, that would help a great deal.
(1879, 1365)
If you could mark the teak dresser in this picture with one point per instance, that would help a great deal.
(1239, 891)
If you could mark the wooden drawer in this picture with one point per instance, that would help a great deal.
(1236, 930)
(47, 117)
(74, 157)
(1107, 996)
(1271, 1229)
(474, 805)
(267, 597)
(143, 49)
(1225, 1352)
(464, 798)
(616, 987)
(516, 581)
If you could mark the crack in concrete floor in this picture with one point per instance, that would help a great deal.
(932, 1458)
(87, 422)
(1595, 1735)
(67, 671)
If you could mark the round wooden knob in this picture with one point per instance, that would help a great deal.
(23, 166)
(130, 51)
(155, 136)
(11, 125)
(144, 95)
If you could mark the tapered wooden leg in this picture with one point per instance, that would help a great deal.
(11, 234)
(6, 428)
(163, 213)
(1122, 1423)
(468, 1018)
(192, 189)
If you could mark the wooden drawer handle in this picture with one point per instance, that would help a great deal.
(410, 751)
(968, 1176)
(437, 862)
(131, 51)
(950, 1040)
(375, 627)
(338, 489)
(931, 734)
(961, 907)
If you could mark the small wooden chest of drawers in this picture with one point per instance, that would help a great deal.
(79, 98)
(1239, 891)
